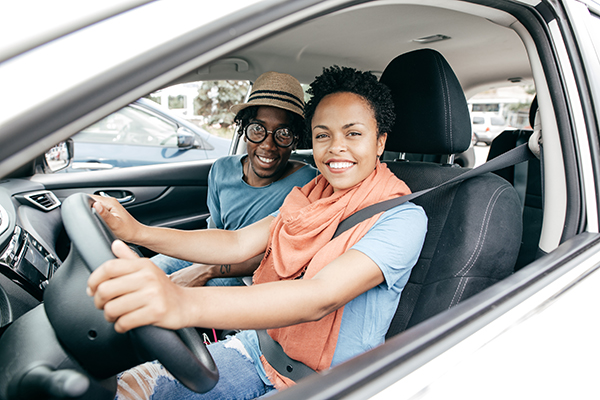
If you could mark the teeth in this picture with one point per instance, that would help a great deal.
(266, 160)
(336, 165)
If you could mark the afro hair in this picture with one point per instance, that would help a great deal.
(337, 79)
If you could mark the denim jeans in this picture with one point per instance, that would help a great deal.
(170, 265)
(238, 377)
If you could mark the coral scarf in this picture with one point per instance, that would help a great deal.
(300, 243)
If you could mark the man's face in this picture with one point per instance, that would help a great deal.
(267, 161)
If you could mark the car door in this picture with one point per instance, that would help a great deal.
(167, 195)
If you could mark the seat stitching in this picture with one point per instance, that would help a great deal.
(479, 245)
(483, 230)
(466, 280)
(447, 103)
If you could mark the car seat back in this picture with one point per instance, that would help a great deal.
(474, 228)
(527, 180)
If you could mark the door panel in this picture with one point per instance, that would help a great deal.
(170, 195)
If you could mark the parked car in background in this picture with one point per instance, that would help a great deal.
(143, 133)
(486, 126)
(532, 334)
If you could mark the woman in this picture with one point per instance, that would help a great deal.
(323, 300)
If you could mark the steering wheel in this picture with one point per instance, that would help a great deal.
(181, 352)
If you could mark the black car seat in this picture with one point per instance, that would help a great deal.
(527, 180)
(474, 228)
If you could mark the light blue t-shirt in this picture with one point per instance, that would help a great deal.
(394, 243)
(234, 204)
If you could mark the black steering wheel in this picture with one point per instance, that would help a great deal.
(181, 352)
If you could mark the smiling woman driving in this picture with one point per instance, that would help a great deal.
(324, 301)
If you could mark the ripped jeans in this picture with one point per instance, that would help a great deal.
(238, 378)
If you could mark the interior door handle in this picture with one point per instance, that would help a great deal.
(119, 195)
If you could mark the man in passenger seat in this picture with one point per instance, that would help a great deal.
(243, 189)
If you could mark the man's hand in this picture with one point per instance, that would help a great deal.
(194, 275)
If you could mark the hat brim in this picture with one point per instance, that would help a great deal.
(270, 103)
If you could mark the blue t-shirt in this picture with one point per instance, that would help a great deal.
(394, 243)
(234, 204)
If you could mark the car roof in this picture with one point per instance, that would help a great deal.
(224, 44)
(496, 55)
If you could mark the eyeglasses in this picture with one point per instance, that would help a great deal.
(256, 133)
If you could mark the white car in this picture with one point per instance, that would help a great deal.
(486, 126)
(503, 301)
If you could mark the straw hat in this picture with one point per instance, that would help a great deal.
(276, 90)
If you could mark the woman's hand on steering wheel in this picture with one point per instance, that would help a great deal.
(120, 222)
(134, 292)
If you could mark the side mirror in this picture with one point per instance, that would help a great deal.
(58, 157)
(185, 138)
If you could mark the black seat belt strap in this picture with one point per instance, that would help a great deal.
(286, 366)
(510, 158)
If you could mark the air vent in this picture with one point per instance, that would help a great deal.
(45, 200)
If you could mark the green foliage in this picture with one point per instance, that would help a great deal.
(154, 98)
(215, 99)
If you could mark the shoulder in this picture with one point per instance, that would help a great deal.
(395, 241)
(408, 212)
(404, 225)
(227, 163)
(229, 160)
(301, 173)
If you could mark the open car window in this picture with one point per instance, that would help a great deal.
(183, 122)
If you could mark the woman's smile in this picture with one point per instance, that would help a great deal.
(339, 166)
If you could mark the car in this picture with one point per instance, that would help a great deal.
(486, 126)
(143, 133)
(527, 328)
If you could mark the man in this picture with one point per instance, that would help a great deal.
(243, 189)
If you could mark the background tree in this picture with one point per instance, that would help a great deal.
(215, 98)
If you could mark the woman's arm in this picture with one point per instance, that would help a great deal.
(134, 292)
(208, 246)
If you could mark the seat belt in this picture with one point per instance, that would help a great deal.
(512, 157)
(296, 370)
(281, 362)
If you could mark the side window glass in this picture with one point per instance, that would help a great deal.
(205, 103)
(496, 110)
(184, 122)
(131, 126)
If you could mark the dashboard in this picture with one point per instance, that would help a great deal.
(33, 245)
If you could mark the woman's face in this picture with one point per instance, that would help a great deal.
(267, 161)
(345, 142)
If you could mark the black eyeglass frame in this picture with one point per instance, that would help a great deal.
(294, 136)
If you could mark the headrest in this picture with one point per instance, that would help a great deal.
(432, 116)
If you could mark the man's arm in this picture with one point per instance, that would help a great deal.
(199, 274)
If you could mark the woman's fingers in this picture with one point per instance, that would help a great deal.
(121, 250)
(116, 217)
(134, 292)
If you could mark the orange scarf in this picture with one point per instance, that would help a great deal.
(300, 243)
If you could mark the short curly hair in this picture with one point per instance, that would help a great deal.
(337, 79)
